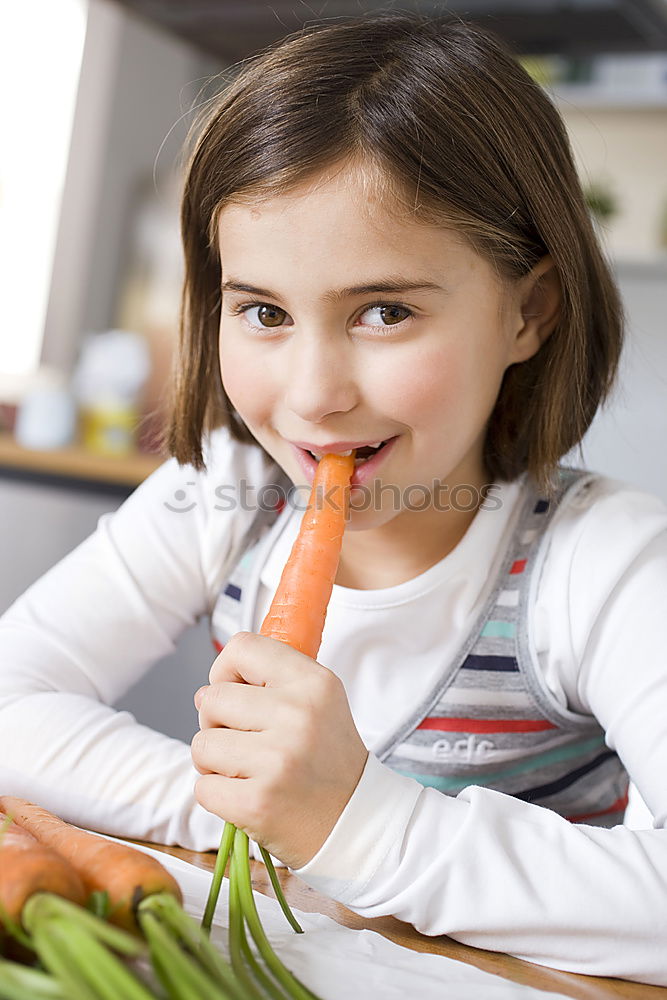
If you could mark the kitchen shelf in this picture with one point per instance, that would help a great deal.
(76, 463)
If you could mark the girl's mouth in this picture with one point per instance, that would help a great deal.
(367, 461)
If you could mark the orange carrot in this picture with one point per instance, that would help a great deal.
(299, 607)
(296, 617)
(27, 867)
(126, 874)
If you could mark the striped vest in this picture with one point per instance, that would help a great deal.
(490, 719)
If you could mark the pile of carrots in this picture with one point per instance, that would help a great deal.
(71, 902)
(85, 918)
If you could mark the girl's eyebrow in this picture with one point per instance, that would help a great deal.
(392, 284)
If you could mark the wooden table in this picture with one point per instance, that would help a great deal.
(302, 897)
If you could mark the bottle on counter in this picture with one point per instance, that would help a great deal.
(111, 372)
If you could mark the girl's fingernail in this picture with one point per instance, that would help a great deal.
(199, 695)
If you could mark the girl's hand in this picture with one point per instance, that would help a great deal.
(278, 750)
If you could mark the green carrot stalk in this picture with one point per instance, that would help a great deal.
(43, 907)
(13, 927)
(75, 947)
(19, 982)
(103, 971)
(221, 860)
(239, 947)
(99, 903)
(182, 978)
(236, 942)
(183, 931)
(68, 974)
(224, 850)
(241, 875)
(269, 985)
(277, 888)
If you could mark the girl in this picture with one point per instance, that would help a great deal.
(387, 249)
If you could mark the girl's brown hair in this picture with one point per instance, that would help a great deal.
(464, 137)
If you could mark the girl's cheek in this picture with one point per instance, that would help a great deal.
(245, 382)
(415, 386)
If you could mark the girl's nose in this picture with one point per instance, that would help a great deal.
(320, 379)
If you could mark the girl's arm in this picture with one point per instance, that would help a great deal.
(502, 874)
(87, 630)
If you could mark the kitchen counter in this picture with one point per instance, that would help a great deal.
(76, 466)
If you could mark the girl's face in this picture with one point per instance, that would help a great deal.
(344, 323)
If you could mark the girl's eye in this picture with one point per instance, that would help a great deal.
(388, 315)
(262, 315)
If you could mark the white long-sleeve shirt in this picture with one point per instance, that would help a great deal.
(488, 869)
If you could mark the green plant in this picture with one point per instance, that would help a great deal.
(601, 200)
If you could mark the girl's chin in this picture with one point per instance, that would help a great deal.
(364, 515)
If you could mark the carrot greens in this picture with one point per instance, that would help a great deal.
(183, 957)
(78, 949)
(21, 982)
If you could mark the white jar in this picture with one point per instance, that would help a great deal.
(47, 415)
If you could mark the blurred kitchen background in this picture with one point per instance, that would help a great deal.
(98, 98)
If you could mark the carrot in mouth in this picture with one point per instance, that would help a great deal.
(299, 606)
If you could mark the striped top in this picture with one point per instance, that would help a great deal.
(490, 719)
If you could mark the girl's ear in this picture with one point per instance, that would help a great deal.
(539, 300)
